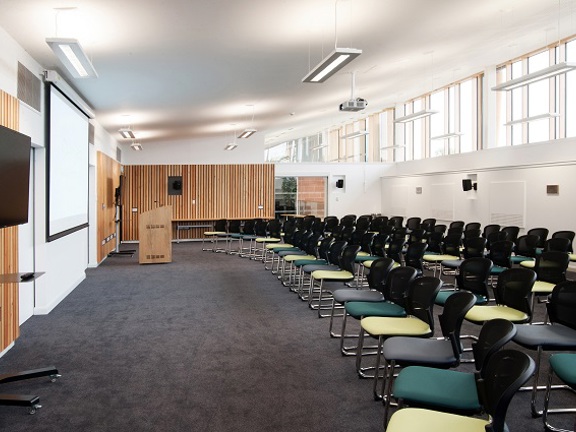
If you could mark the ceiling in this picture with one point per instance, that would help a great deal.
(197, 69)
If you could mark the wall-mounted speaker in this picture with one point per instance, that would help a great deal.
(175, 185)
(466, 184)
(340, 183)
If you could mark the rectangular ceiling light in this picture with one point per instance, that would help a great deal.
(339, 58)
(447, 136)
(127, 133)
(545, 116)
(414, 116)
(247, 133)
(231, 146)
(354, 135)
(73, 57)
(549, 72)
(136, 146)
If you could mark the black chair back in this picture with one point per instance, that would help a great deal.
(558, 244)
(397, 284)
(348, 257)
(451, 244)
(489, 229)
(395, 249)
(472, 225)
(526, 245)
(511, 232)
(363, 222)
(562, 305)
(494, 335)
(413, 223)
(335, 252)
(420, 299)
(542, 234)
(435, 240)
(551, 266)
(473, 275)
(428, 224)
(274, 228)
(514, 289)
(220, 225)
(330, 222)
(396, 221)
(234, 226)
(452, 316)
(457, 225)
(378, 274)
(501, 253)
(565, 234)
(474, 247)
(324, 247)
(414, 256)
(366, 242)
(379, 245)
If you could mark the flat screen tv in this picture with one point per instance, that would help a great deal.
(14, 177)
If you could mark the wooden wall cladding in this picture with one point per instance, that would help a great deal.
(209, 192)
(9, 328)
(108, 179)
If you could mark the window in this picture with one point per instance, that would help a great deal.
(300, 195)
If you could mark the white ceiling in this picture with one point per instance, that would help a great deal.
(192, 69)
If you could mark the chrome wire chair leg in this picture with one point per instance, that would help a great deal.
(361, 353)
(377, 370)
(333, 315)
(547, 410)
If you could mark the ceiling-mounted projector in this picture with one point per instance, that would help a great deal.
(357, 104)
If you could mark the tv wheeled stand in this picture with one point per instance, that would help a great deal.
(30, 401)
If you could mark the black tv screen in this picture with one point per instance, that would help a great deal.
(14, 177)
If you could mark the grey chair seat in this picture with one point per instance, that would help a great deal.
(550, 337)
(313, 267)
(420, 352)
(344, 295)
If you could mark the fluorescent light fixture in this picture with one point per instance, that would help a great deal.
(354, 135)
(127, 133)
(136, 146)
(339, 58)
(247, 133)
(447, 136)
(414, 116)
(549, 72)
(73, 57)
(545, 116)
(231, 146)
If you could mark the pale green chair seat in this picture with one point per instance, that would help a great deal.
(480, 314)
(541, 287)
(528, 264)
(268, 240)
(332, 275)
(292, 258)
(362, 253)
(368, 264)
(407, 326)
(572, 257)
(214, 233)
(417, 419)
(436, 258)
(278, 245)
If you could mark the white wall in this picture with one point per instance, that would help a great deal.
(361, 192)
(62, 261)
(208, 151)
(511, 182)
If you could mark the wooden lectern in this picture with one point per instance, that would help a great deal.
(155, 236)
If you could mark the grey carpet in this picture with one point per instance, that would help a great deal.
(209, 342)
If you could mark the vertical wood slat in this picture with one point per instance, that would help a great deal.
(9, 319)
(108, 179)
(209, 192)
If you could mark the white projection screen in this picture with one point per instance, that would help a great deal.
(67, 166)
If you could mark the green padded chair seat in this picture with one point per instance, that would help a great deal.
(236, 235)
(215, 233)
(496, 270)
(436, 258)
(383, 326)
(417, 419)
(528, 264)
(291, 258)
(302, 262)
(444, 294)
(541, 287)
(359, 309)
(420, 386)
(364, 258)
(291, 251)
(480, 314)
(564, 365)
(517, 259)
(268, 240)
(332, 275)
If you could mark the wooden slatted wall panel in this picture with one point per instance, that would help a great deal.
(108, 178)
(9, 329)
(209, 192)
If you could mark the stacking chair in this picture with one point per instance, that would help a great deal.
(473, 276)
(377, 223)
(563, 366)
(474, 247)
(335, 250)
(525, 248)
(363, 222)
(376, 280)
(457, 225)
(321, 258)
(512, 294)
(418, 322)
(413, 223)
(414, 256)
(542, 234)
(344, 274)
(501, 255)
(434, 240)
(471, 233)
(396, 221)
(550, 270)
(213, 236)
(565, 234)
(395, 290)
(558, 244)
(489, 229)
(348, 220)
(309, 250)
(473, 226)
(234, 234)
(440, 353)
(330, 223)
(440, 228)
(428, 224)
(395, 249)
(272, 234)
(506, 372)
(512, 232)
(558, 335)
(425, 386)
